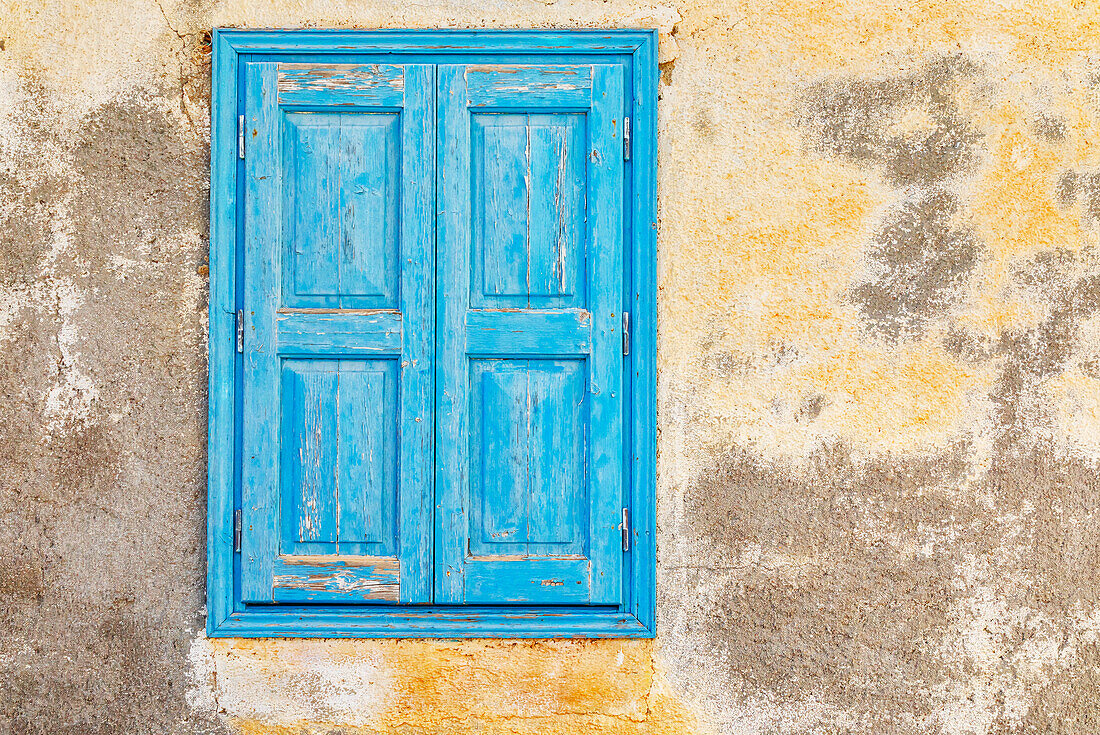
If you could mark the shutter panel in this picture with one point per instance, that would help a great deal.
(529, 476)
(338, 333)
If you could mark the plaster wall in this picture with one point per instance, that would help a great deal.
(879, 384)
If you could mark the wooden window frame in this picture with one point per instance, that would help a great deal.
(227, 616)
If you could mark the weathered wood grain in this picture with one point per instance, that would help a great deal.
(336, 578)
(339, 298)
(416, 420)
(530, 433)
(546, 264)
(452, 382)
(605, 249)
(332, 333)
(222, 355)
(504, 85)
(528, 332)
(260, 490)
(341, 85)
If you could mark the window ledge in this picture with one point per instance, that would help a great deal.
(430, 622)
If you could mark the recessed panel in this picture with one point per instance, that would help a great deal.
(339, 437)
(527, 446)
(342, 203)
(529, 210)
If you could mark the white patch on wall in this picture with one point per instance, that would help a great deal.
(71, 396)
(51, 296)
(281, 683)
(769, 714)
(1001, 655)
(13, 300)
(201, 676)
(1075, 394)
(69, 400)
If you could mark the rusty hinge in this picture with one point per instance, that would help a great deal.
(626, 138)
(240, 136)
(626, 529)
(237, 530)
(240, 330)
(626, 332)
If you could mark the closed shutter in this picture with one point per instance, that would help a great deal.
(529, 477)
(338, 333)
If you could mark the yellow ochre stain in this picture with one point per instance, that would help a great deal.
(1014, 197)
(516, 687)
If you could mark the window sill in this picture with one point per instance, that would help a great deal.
(429, 622)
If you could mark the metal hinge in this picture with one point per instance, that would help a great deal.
(626, 139)
(626, 332)
(237, 530)
(240, 136)
(240, 330)
(626, 529)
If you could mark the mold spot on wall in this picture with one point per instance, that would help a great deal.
(153, 181)
(809, 605)
(912, 131)
(811, 407)
(1067, 188)
(25, 221)
(1068, 285)
(967, 346)
(920, 260)
(880, 598)
(21, 578)
(910, 125)
(1081, 189)
(1065, 705)
(1049, 128)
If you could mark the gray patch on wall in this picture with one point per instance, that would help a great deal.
(1032, 356)
(921, 256)
(1082, 188)
(860, 121)
(1066, 284)
(920, 259)
(844, 584)
(102, 517)
(1049, 128)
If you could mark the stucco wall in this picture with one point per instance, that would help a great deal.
(879, 384)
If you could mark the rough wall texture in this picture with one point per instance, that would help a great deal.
(879, 392)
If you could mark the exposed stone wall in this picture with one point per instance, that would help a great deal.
(879, 384)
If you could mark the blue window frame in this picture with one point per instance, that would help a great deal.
(432, 334)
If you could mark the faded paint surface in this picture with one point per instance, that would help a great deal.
(879, 392)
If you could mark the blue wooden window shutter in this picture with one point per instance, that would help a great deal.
(530, 356)
(338, 338)
(428, 414)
